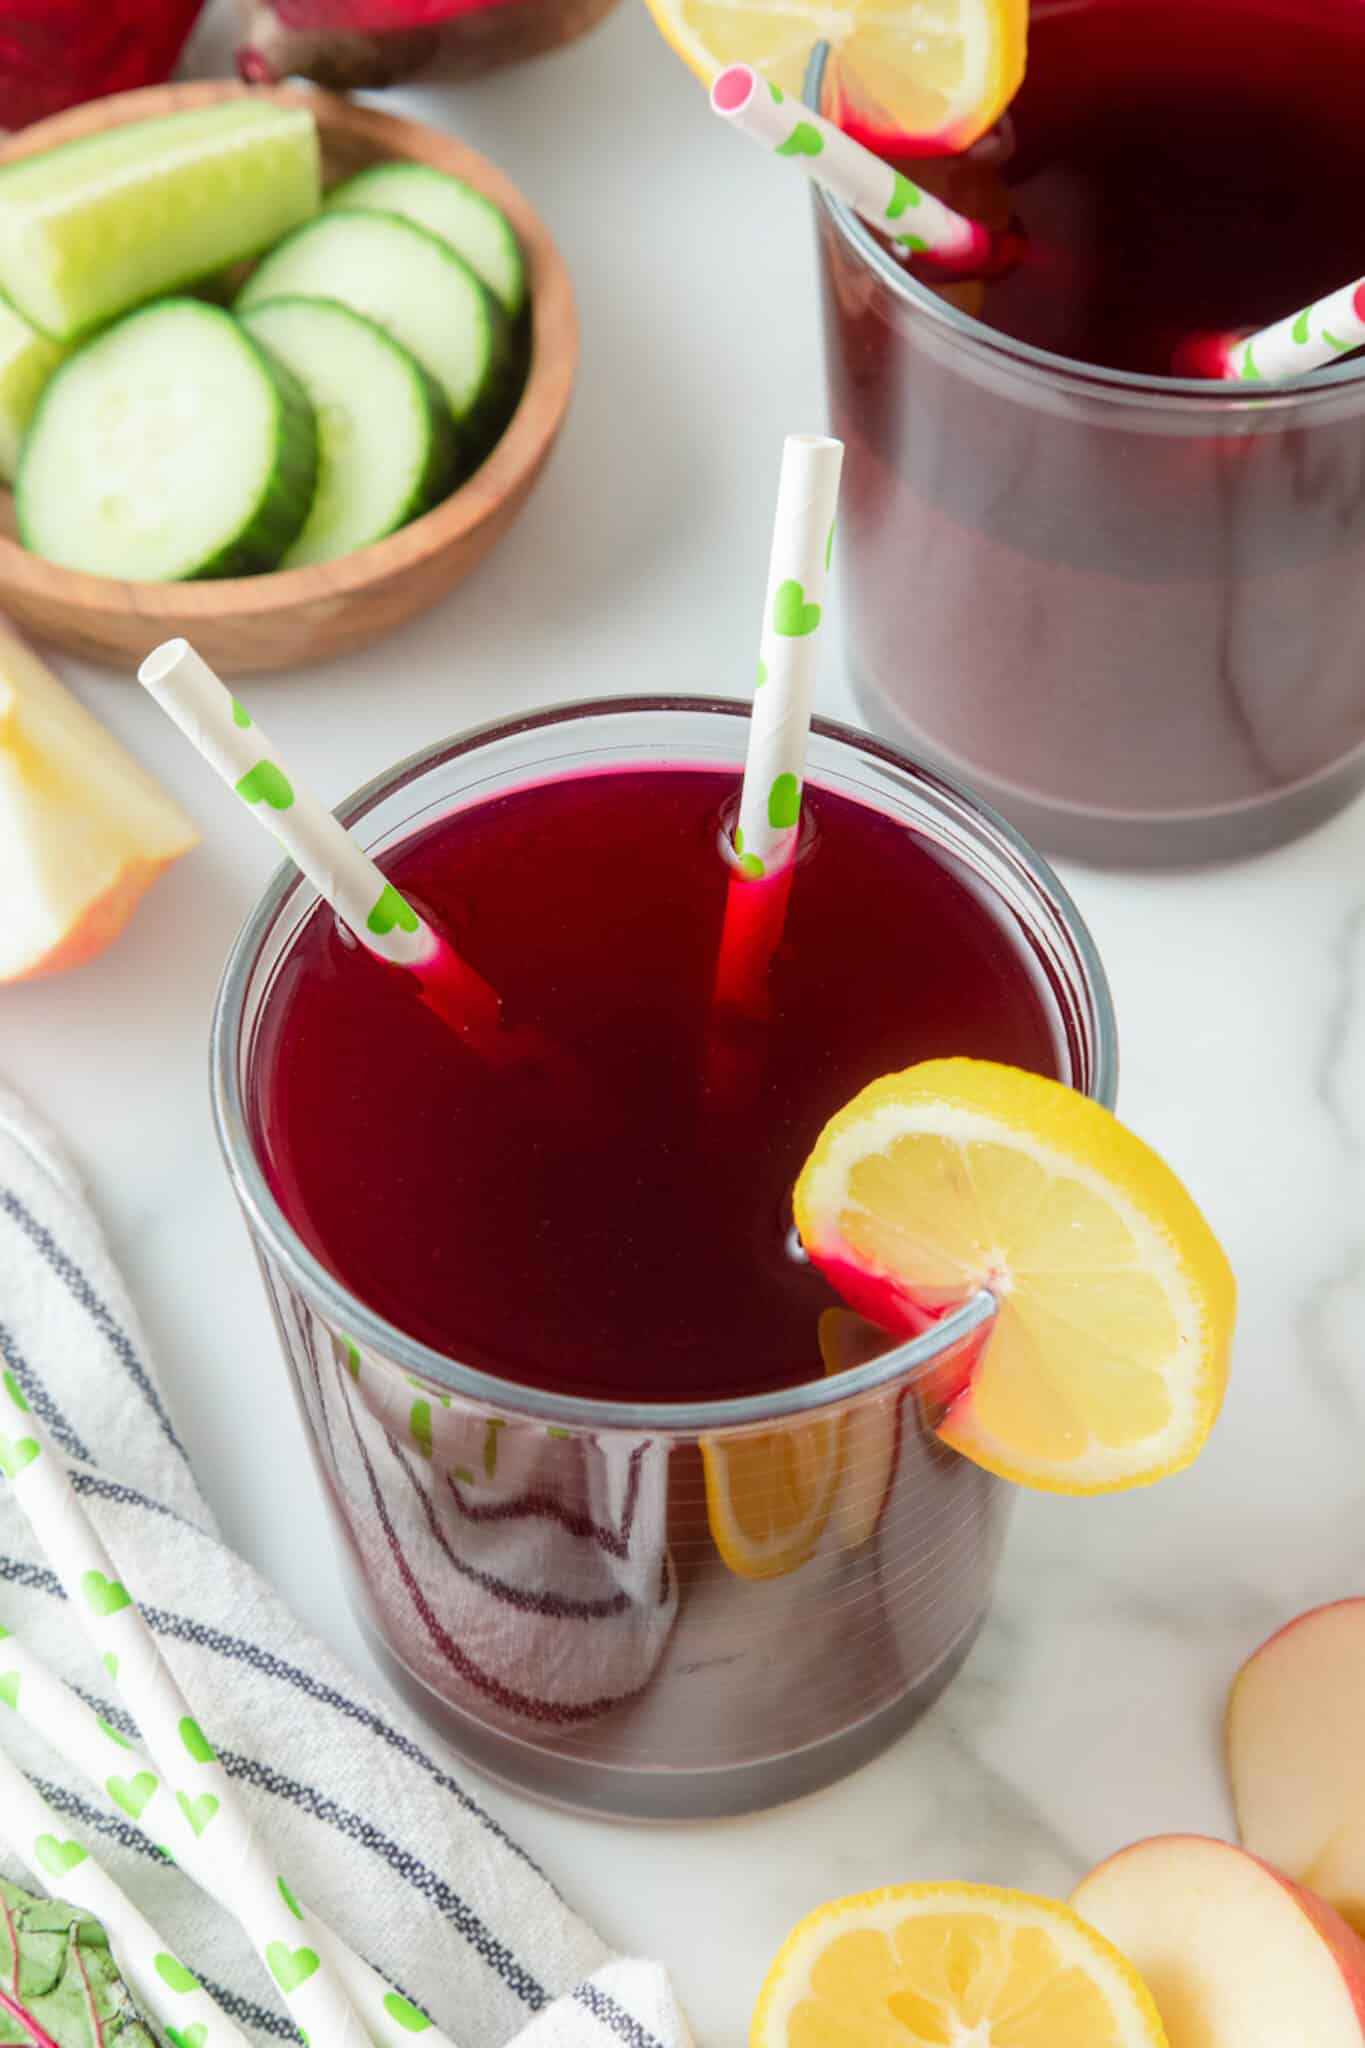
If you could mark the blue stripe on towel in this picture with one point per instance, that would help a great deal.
(71, 1276)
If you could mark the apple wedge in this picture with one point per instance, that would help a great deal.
(1235, 1954)
(1296, 1753)
(83, 830)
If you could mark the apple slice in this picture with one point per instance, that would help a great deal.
(1235, 1954)
(1296, 1753)
(83, 830)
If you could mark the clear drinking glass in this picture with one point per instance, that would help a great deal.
(1129, 610)
(537, 1572)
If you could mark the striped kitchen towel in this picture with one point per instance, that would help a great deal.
(399, 1857)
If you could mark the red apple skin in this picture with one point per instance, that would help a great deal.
(100, 922)
(1346, 1946)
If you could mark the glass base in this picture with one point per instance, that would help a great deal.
(1132, 839)
(617, 1792)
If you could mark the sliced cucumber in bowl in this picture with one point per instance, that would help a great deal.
(386, 441)
(171, 446)
(446, 206)
(414, 286)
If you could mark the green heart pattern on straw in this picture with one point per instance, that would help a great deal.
(196, 1742)
(903, 196)
(16, 1455)
(803, 141)
(187, 2037)
(132, 1794)
(175, 1976)
(266, 783)
(391, 910)
(198, 1812)
(110, 1662)
(58, 1858)
(295, 1908)
(406, 2014)
(113, 1734)
(784, 803)
(290, 1967)
(105, 1596)
(419, 1426)
(16, 1393)
(749, 863)
(240, 715)
(793, 618)
(9, 1688)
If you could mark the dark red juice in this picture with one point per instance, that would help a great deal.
(595, 1223)
(1131, 614)
(1178, 166)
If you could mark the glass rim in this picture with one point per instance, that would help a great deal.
(271, 1228)
(1092, 379)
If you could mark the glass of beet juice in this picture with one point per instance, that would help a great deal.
(1128, 608)
(611, 1520)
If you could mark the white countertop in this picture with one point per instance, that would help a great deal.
(1089, 1712)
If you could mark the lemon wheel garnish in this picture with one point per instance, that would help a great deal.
(951, 1966)
(769, 1494)
(1108, 1358)
(930, 75)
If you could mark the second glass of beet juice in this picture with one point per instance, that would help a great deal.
(1129, 608)
(634, 1509)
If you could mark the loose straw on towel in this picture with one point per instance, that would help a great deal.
(116, 1765)
(1317, 334)
(363, 898)
(909, 217)
(254, 1891)
(63, 1866)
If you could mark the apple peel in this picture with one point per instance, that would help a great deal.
(1235, 1953)
(1295, 1744)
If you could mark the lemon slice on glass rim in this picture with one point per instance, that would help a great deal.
(922, 77)
(1107, 1361)
(951, 1963)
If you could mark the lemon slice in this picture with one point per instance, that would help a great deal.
(1108, 1359)
(951, 1966)
(903, 75)
(769, 1494)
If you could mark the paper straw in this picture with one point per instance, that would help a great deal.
(62, 1865)
(909, 217)
(803, 537)
(363, 898)
(125, 1775)
(257, 1894)
(1317, 334)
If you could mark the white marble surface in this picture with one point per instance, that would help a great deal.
(1089, 1712)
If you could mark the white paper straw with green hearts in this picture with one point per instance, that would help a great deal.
(909, 217)
(61, 1864)
(1317, 334)
(255, 1892)
(213, 721)
(788, 655)
(125, 1775)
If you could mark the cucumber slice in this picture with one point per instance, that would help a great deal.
(27, 360)
(95, 226)
(445, 206)
(416, 288)
(386, 442)
(170, 446)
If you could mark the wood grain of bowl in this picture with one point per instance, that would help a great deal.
(251, 623)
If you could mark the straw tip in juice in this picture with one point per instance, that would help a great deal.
(1204, 355)
(1107, 1360)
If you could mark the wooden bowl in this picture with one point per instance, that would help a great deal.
(246, 623)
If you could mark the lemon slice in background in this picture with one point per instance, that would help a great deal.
(907, 77)
(951, 1963)
(769, 1494)
(1108, 1358)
